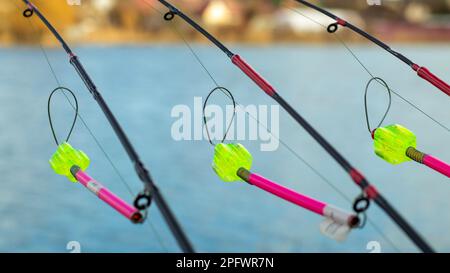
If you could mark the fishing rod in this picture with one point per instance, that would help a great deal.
(421, 71)
(72, 163)
(151, 192)
(370, 192)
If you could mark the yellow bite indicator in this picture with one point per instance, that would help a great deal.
(228, 158)
(65, 157)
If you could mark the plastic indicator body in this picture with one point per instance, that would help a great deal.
(228, 158)
(65, 157)
(391, 143)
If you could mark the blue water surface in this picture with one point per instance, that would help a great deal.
(42, 212)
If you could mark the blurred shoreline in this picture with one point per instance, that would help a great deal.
(115, 37)
(145, 39)
(248, 22)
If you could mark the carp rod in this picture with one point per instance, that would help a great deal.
(421, 71)
(358, 178)
(151, 192)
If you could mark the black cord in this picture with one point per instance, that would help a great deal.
(62, 89)
(230, 95)
(381, 81)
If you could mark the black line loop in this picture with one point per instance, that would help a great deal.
(62, 89)
(332, 28)
(169, 16)
(28, 13)
(380, 81)
(230, 95)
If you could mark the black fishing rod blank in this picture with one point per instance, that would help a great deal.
(143, 200)
(369, 191)
(421, 71)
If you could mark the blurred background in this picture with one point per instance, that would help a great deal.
(144, 69)
(114, 21)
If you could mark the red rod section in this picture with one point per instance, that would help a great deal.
(249, 71)
(424, 73)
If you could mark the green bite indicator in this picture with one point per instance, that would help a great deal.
(228, 158)
(392, 142)
(65, 157)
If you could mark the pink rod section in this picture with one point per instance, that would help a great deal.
(108, 197)
(437, 165)
(287, 194)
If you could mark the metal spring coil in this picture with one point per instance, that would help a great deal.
(415, 154)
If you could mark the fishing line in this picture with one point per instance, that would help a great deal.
(62, 89)
(79, 116)
(284, 144)
(347, 47)
(223, 89)
(366, 107)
